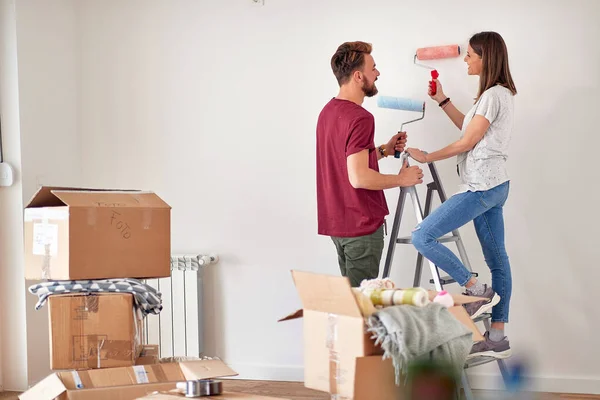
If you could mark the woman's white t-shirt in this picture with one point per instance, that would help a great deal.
(484, 166)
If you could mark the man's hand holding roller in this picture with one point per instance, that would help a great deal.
(363, 177)
(396, 143)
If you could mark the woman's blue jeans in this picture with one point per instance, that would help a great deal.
(484, 208)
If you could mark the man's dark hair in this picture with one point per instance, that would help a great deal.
(349, 57)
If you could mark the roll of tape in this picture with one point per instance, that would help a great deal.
(201, 387)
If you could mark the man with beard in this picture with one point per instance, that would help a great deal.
(351, 206)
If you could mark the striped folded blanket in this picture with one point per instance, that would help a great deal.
(147, 299)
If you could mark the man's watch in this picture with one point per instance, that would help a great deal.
(382, 151)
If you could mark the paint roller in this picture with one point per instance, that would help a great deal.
(435, 53)
(404, 104)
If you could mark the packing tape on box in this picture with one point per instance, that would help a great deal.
(46, 262)
(102, 350)
(91, 303)
(146, 218)
(138, 338)
(45, 243)
(121, 350)
(334, 358)
(92, 216)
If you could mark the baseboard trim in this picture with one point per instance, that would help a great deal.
(291, 373)
(265, 372)
(545, 384)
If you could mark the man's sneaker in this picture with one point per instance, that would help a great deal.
(479, 307)
(489, 348)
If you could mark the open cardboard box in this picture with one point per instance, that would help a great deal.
(72, 233)
(334, 328)
(124, 383)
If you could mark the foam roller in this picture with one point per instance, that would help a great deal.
(437, 52)
(400, 103)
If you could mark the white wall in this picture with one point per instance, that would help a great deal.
(213, 105)
(41, 104)
(13, 344)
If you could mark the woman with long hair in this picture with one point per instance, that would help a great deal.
(484, 185)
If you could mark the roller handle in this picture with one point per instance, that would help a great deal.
(397, 153)
(432, 84)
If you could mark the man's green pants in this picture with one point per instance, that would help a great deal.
(359, 257)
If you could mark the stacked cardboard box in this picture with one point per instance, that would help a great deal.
(94, 331)
(96, 340)
(90, 234)
(96, 234)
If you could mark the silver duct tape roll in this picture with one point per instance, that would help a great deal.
(201, 387)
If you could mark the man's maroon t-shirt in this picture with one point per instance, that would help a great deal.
(345, 128)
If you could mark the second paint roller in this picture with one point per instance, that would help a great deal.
(435, 53)
(404, 104)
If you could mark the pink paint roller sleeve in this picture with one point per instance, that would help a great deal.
(435, 53)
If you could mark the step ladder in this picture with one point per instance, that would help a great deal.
(437, 280)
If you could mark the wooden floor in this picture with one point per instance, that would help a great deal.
(296, 391)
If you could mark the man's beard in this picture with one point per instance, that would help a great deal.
(370, 90)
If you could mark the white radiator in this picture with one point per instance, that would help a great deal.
(178, 328)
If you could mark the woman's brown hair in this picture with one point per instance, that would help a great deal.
(494, 57)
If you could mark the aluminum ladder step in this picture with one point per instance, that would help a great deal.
(483, 317)
(446, 280)
(477, 361)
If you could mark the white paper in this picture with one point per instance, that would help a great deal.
(140, 374)
(45, 235)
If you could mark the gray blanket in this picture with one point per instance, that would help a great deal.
(408, 333)
(147, 299)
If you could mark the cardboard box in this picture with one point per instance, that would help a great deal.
(101, 330)
(223, 396)
(95, 234)
(339, 355)
(126, 383)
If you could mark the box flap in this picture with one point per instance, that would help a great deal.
(48, 388)
(113, 198)
(205, 369)
(326, 293)
(295, 315)
(44, 197)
